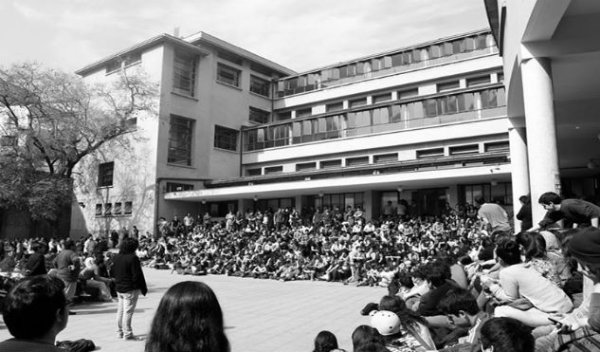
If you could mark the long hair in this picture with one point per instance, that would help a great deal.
(507, 335)
(188, 318)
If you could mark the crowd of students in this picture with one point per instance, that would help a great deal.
(455, 283)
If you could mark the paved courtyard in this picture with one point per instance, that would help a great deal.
(260, 315)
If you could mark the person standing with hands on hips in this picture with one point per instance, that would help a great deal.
(129, 282)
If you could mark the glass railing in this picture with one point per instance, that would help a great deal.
(283, 134)
(401, 61)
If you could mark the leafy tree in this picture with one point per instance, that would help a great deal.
(50, 121)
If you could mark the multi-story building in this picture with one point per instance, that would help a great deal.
(552, 69)
(425, 123)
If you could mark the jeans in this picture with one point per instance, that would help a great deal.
(125, 308)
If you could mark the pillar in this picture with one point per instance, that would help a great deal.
(519, 169)
(542, 152)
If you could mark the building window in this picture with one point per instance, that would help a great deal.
(258, 115)
(464, 149)
(497, 147)
(284, 115)
(128, 208)
(118, 208)
(184, 74)
(442, 87)
(105, 174)
(260, 86)
(113, 66)
(180, 141)
(98, 209)
(306, 166)
(381, 98)
(334, 106)
(410, 93)
(254, 172)
(228, 75)
(178, 187)
(331, 163)
(478, 81)
(361, 160)
(107, 209)
(358, 102)
(303, 112)
(430, 153)
(273, 170)
(385, 158)
(225, 138)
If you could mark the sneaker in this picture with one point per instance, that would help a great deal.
(120, 335)
(131, 338)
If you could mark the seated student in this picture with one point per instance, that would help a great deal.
(35, 311)
(462, 310)
(325, 341)
(518, 281)
(395, 338)
(506, 335)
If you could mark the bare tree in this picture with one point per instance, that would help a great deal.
(53, 119)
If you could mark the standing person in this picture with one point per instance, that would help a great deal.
(524, 213)
(188, 318)
(35, 311)
(68, 265)
(129, 283)
(576, 211)
(493, 215)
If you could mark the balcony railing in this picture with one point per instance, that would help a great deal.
(286, 137)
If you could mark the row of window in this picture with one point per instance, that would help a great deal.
(470, 82)
(114, 209)
(232, 76)
(325, 77)
(181, 134)
(451, 108)
(456, 150)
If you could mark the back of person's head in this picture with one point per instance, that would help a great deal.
(549, 197)
(364, 334)
(584, 245)
(128, 245)
(479, 200)
(372, 346)
(507, 335)
(458, 299)
(533, 243)
(69, 244)
(325, 342)
(34, 307)
(524, 199)
(392, 303)
(437, 273)
(188, 318)
(509, 252)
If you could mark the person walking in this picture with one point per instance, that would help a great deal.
(129, 283)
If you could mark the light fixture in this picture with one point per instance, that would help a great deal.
(494, 182)
(321, 194)
(593, 164)
(399, 189)
(256, 198)
(203, 201)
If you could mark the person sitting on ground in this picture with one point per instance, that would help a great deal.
(412, 323)
(395, 338)
(518, 281)
(534, 248)
(188, 318)
(35, 311)
(461, 308)
(326, 342)
(506, 335)
(36, 263)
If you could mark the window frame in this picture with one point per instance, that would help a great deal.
(226, 138)
(234, 81)
(106, 170)
(262, 92)
(176, 154)
(185, 67)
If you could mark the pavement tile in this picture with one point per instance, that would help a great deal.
(260, 315)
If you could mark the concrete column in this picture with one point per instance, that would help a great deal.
(544, 175)
(519, 169)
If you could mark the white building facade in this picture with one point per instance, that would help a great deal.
(234, 131)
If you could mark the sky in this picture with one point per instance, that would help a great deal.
(299, 34)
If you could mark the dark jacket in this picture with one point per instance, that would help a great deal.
(128, 274)
(36, 265)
